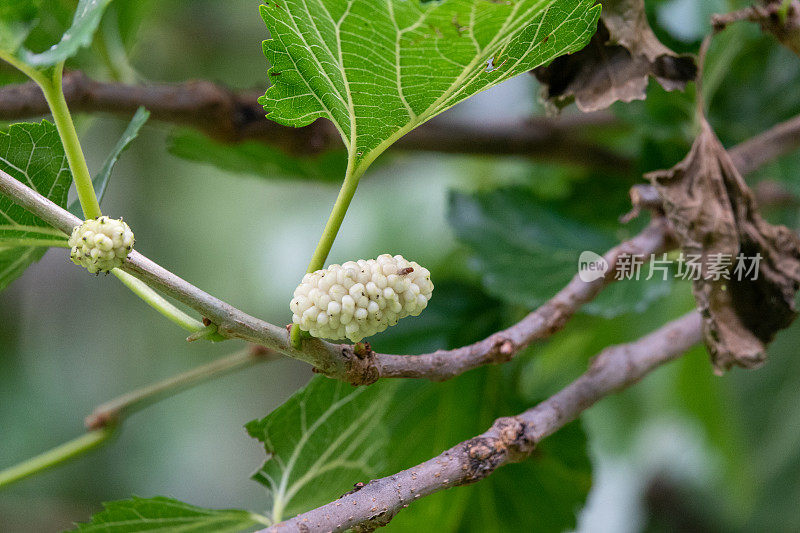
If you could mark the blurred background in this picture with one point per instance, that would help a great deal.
(683, 450)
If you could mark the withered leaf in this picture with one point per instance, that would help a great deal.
(616, 64)
(714, 212)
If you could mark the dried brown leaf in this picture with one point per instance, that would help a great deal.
(714, 212)
(616, 64)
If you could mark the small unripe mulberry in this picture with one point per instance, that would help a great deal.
(360, 298)
(100, 244)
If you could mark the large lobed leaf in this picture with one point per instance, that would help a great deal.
(33, 154)
(160, 514)
(326, 437)
(377, 69)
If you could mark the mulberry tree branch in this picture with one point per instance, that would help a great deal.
(509, 440)
(329, 358)
(549, 318)
(748, 157)
(360, 367)
(781, 18)
(235, 116)
(341, 361)
(779, 140)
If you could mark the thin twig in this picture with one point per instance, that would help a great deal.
(549, 318)
(114, 411)
(779, 140)
(778, 17)
(106, 419)
(56, 456)
(509, 440)
(231, 116)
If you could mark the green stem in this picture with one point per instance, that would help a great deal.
(56, 456)
(168, 310)
(104, 421)
(44, 230)
(54, 95)
(346, 193)
(51, 87)
(207, 332)
(118, 409)
(296, 336)
(158, 302)
(336, 217)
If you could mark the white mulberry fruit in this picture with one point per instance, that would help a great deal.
(360, 298)
(100, 244)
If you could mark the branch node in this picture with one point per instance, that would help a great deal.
(484, 454)
(643, 197)
(501, 352)
(360, 364)
(100, 419)
(506, 349)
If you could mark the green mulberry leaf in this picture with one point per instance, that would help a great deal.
(326, 437)
(378, 69)
(257, 158)
(164, 515)
(33, 154)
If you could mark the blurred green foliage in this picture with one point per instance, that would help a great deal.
(731, 442)
(530, 264)
(258, 159)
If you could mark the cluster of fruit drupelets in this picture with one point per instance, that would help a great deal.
(100, 244)
(360, 298)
